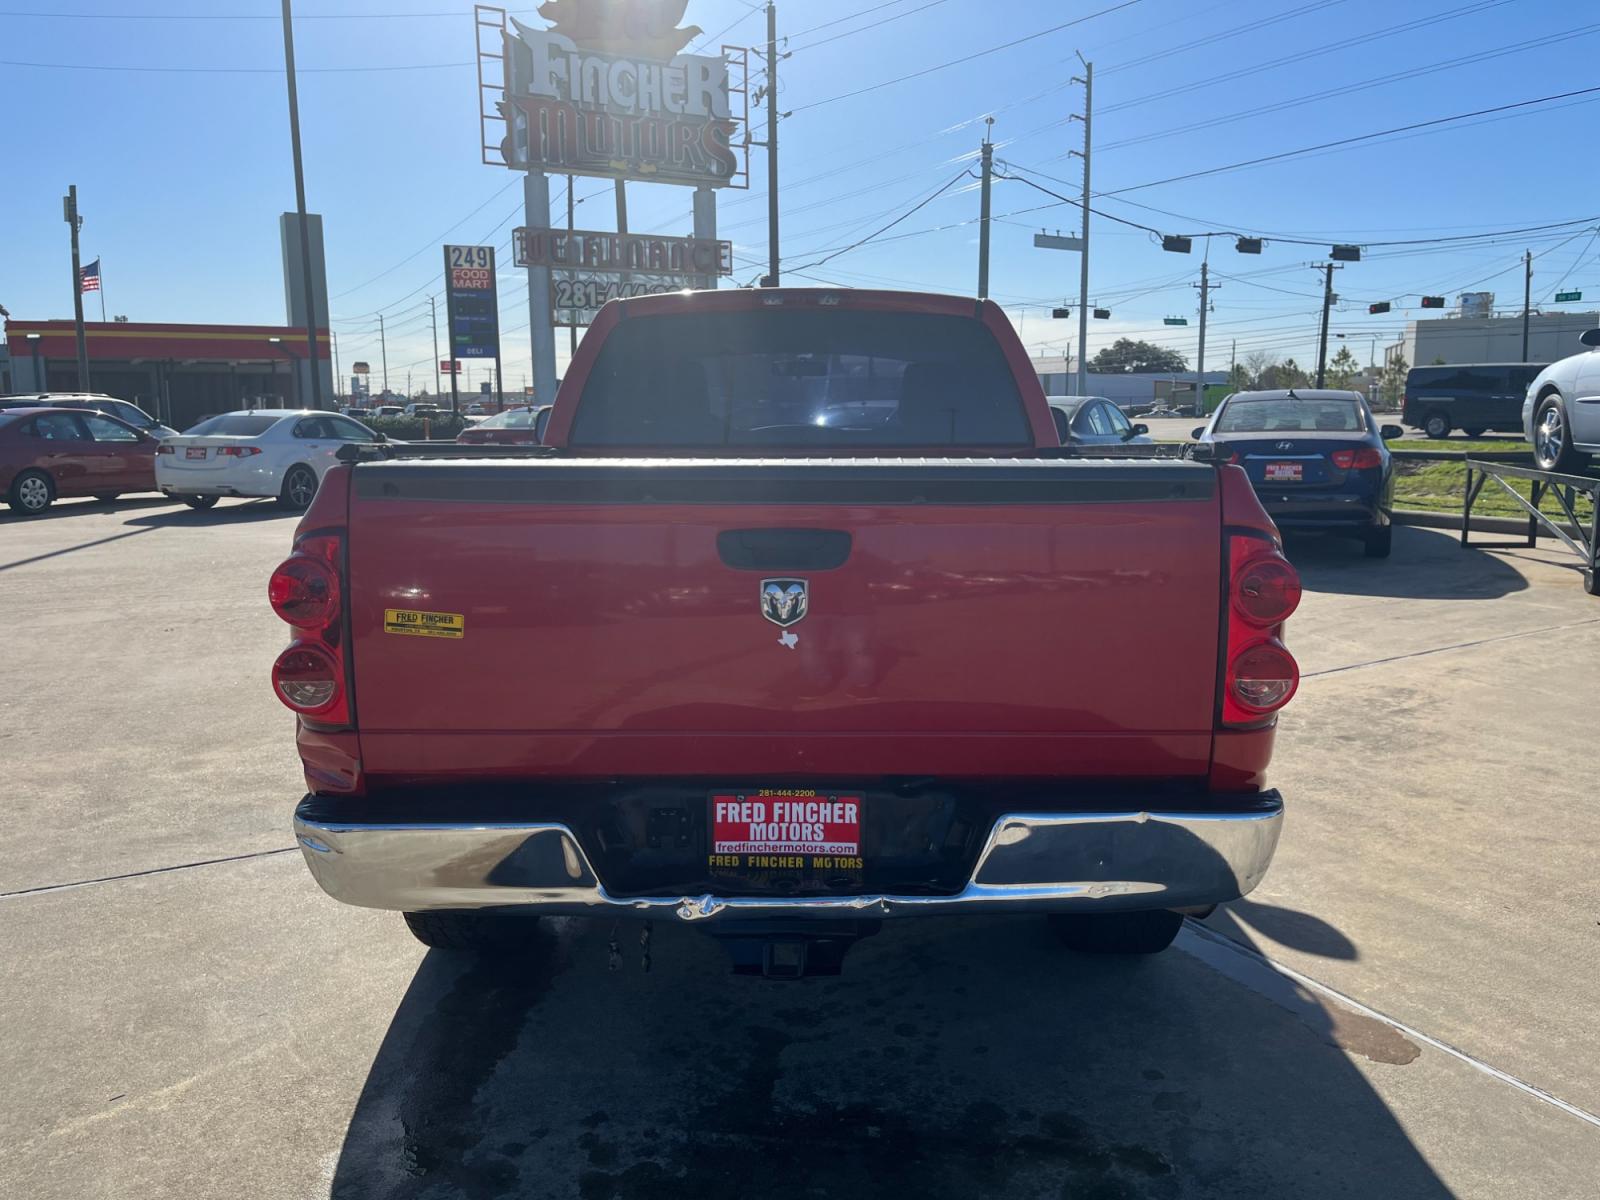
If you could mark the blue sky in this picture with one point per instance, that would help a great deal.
(181, 173)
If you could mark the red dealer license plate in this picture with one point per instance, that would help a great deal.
(1285, 472)
(775, 829)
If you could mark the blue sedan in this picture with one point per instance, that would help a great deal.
(1316, 458)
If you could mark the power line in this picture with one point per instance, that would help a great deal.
(47, 66)
(863, 28)
(873, 87)
(1362, 137)
(1562, 37)
(919, 206)
(1223, 35)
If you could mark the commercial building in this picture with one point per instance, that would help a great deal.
(177, 373)
(1492, 339)
(1059, 377)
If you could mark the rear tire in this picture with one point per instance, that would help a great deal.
(470, 929)
(1436, 425)
(1473, 432)
(1147, 932)
(199, 503)
(1378, 542)
(31, 493)
(106, 497)
(299, 488)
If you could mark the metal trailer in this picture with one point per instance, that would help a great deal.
(1583, 538)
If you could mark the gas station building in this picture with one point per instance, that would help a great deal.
(176, 373)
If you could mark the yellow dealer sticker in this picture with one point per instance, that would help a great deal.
(424, 624)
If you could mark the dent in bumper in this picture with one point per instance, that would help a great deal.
(1032, 862)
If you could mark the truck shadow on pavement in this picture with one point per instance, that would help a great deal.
(1426, 564)
(955, 1057)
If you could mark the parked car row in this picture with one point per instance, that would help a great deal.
(56, 452)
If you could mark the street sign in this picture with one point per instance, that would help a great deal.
(575, 297)
(360, 368)
(1057, 241)
(1174, 320)
(449, 366)
(1565, 297)
(653, 254)
(473, 307)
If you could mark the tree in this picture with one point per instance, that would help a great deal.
(1125, 356)
(1257, 363)
(1286, 374)
(1343, 368)
(1238, 378)
(1394, 378)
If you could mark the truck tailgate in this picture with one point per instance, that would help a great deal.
(962, 618)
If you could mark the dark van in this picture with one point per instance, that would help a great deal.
(1467, 396)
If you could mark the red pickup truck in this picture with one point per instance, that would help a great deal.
(800, 620)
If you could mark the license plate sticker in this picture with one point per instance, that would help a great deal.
(194, 452)
(1285, 472)
(812, 827)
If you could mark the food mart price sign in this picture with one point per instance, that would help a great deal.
(473, 309)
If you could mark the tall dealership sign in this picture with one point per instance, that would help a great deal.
(607, 90)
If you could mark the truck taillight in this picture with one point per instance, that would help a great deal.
(307, 678)
(1262, 677)
(304, 591)
(1266, 589)
(311, 677)
(1357, 460)
(1259, 674)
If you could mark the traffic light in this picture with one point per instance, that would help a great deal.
(1177, 245)
(1102, 314)
(1433, 302)
(1248, 245)
(1382, 306)
(1060, 314)
(1345, 254)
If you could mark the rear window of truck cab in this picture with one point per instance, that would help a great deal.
(790, 377)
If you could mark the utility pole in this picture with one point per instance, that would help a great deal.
(1233, 360)
(772, 146)
(433, 315)
(1083, 266)
(1322, 339)
(1527, 298)
(983, 226)
(1200, 358)
(383, 345)
(69, 212)
(622, 213)
(334, 334)
(300, 208)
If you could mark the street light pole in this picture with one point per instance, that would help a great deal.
(433, 315)
(1527, 298)
(383, 347)
(1083, 265)
(300, 208)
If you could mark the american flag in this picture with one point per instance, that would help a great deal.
(89, 277)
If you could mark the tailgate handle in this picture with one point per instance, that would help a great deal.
(783, 549)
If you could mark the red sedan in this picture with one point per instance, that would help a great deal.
(514, 427)
(47, 453)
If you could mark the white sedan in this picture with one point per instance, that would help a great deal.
(267, 452)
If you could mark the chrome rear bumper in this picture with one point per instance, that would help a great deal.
(1032, 862)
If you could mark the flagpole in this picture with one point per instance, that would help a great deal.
(102, 291)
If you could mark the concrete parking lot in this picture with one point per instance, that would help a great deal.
(1405, 1008)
